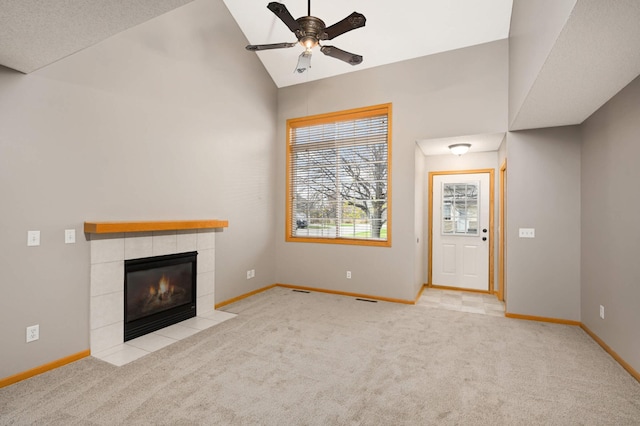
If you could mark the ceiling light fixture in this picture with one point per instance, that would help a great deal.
(459, 148)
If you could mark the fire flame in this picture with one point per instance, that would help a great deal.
(163, 285)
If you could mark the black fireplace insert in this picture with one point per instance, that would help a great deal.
(158, 291)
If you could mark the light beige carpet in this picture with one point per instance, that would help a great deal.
(292, 358)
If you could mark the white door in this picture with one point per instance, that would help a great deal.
(460, 249)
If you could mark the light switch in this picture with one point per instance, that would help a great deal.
(69, 236)
(527, 233)
(33, 238)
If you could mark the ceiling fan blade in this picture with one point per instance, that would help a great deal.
(255, 47)
(351, 22)
(347, 57)
(281, 11)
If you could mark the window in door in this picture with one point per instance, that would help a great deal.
(460, 208)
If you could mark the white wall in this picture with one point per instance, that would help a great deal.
(172, 119)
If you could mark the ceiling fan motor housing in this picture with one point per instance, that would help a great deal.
(311, 29)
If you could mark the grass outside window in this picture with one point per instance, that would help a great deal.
(339, 177)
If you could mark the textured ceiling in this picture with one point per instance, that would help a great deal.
(36, 33)
(595, 55)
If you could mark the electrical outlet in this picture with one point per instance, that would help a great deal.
(349, 275)
(249, 274)
(601, 312)
(527, 233)
(253, 273)
(33, 333)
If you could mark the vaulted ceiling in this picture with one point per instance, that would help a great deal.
(394, 31)
(594, 53)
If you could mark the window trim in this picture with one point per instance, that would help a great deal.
(345, 115)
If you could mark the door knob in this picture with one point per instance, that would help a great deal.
(484, 238)
(484, 230)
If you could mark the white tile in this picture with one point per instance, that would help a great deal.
(107, 248)
(448, 300)
(107, 352)
(472, 297)
(125, 356)
(219, 316)
(206, 239)
(471, 309)
(107, 337)
(187, 241)
(205, 304)
(177, 332)
(473, 303)
(494, 307)
(107, 277)
(206, 261)
(151, 342)
(164, 243)
(206, 283)
(107, 309)
(138, 245)
(451, 307)
(199, 323)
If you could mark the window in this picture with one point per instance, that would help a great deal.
(460, 208)
(339, 176)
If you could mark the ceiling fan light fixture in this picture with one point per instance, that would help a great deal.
(308, 42)
(459, 148)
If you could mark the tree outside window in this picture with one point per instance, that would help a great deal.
(338, 177)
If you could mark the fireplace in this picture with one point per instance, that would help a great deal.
(158, 291)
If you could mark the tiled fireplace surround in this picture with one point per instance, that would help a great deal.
(108, 253)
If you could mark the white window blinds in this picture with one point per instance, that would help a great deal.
(338, 176)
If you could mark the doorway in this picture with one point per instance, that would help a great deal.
(461, 220)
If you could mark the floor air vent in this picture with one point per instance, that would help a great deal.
(367, 300)
(301, 291)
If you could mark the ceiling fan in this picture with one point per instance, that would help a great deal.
(309, 30)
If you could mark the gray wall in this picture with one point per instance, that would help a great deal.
(421, 205)
(535, 26)
(456, 93)
(543, 192)
(610, 231)
(172, 119)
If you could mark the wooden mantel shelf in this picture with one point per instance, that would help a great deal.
(167, 225)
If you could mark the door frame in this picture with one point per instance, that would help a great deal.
(502, 230)
(491, 224)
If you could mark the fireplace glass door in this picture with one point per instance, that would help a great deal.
(159, 291)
